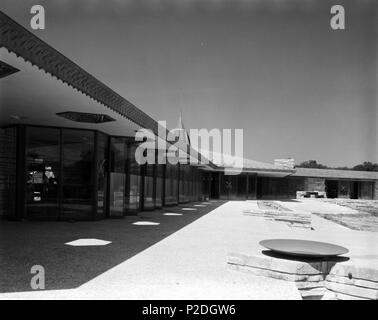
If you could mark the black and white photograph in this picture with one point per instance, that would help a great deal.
(189, 155)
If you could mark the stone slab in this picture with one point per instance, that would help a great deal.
(291, 266)
(335, 279)
(353, 282)
(356, 271)
(352, 290)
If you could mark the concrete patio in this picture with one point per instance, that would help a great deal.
(184, 257)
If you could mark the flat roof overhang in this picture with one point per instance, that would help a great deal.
(46, 79)
(335, 174)
(33, 97)
(23, 43)
(273, 173)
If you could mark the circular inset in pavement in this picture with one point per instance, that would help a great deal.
(303, 248)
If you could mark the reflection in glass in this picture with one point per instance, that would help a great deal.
(182, 184)
(78, 151)
(117, 164)
(117, 194)
(102, 159)
(133, 201)
(42, 172)
(171, 184)
(149, 202)
(159, 185)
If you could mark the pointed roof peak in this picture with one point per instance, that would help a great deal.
(180, 126)
(180, 123)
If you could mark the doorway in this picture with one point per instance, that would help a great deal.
(355, 190)
(214, 189)
(332, 188)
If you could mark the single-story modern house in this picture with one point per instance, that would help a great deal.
(67, 148)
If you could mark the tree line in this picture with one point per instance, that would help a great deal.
(365, 166)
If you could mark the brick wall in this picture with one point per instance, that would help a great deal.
(7, 169)
(314, 184)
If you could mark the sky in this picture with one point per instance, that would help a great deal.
(272, 68)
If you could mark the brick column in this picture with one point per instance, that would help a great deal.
(7, 170)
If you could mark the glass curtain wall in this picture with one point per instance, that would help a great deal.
(192, 179)
(233, 187)
(197, 186)
(77, 183)
(205, 185)
(43, 167)
(149, 198)
(61, 173)
(135, 180)
(8, 169)
(183, 187)
(171, 183)
(102, 174)
(252, 192)
(118, 173)
(160, 170)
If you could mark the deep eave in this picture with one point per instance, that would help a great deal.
(25, 44)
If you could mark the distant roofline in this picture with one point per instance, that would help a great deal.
(336, 174)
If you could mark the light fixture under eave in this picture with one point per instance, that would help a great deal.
(85, 117)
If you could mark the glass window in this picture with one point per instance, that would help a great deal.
(252, 186)
(183, 187)
(159, 185)
(42, 172)
(8, 171)
(77, 158)
(102, 162)
(149, 201)
(171, 184)
(133, 201)
(118, 171)
(229, 187)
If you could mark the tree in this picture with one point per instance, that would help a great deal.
(311, 164)
(366, 166)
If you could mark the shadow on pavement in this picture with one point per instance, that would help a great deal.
(28, 243)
